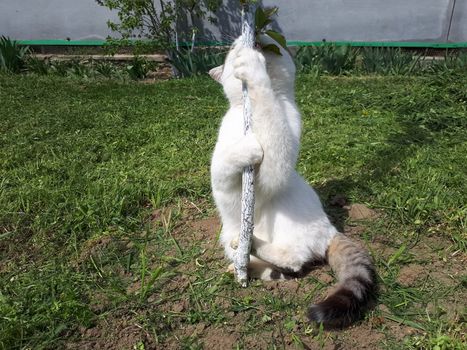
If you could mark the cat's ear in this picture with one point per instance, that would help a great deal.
(216, 73)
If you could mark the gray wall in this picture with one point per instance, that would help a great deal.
(459, 22)
(301, 20)
(53, 19)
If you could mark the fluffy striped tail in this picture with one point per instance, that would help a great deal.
(356, 288)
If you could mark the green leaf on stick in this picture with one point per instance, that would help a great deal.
(277, 37)
(261, 20)
(271, 11)
(272, 48)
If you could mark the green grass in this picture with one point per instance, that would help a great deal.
(102, 184)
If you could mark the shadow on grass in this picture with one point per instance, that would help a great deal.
(400, 146)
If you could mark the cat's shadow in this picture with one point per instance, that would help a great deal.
(333, 195)
(399, 146)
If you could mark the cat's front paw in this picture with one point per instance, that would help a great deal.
(251, 149)
(250, 66)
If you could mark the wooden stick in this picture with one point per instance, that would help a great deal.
(242, 257)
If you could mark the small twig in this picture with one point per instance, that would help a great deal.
(196, 207)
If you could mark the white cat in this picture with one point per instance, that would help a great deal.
(291, 228)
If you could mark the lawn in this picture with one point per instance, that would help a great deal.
(108, 232)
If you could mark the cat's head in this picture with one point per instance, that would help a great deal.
(280, 68)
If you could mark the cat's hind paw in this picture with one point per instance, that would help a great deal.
(230, 269)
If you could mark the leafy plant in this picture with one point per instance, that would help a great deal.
(139, 68)
(38, 66)
(327, 57)
(451, 61)
(142, 19)
(79, 69)
(12, 55)
(145, 19)
(189, 63)
(337, 59)
(105, 69)
(60, 68)
(73, 68)
(305, 58)
(388, 60)
(161, 24)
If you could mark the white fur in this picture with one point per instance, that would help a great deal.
(291, 227)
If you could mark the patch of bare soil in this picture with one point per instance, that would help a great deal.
(410, 274)
(362, 337)
(93, 247)
(114, 333)
(219, 338)
(13, 251)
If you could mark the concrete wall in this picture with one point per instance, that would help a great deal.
(361, 20)
(458, 30)
(300, 20)
(54, 19)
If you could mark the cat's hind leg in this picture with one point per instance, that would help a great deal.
(259, 269)
(278, 257)
(285, 257)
